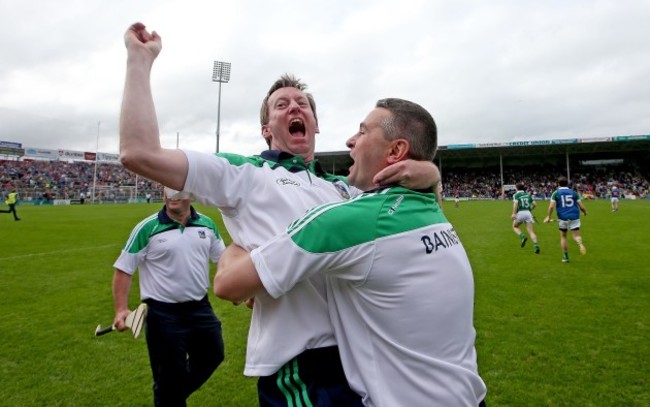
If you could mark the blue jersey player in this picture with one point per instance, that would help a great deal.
(568, 205)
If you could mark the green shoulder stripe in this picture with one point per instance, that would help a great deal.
(239, 160)
(331, 178)
(140, 235)
(143, 231)
(337, 226)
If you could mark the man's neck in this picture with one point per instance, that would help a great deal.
(306, 157)
(180, 218)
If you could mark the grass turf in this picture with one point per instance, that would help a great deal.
(548, 333)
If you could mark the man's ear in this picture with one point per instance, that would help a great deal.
(266, 133)
(397, 151)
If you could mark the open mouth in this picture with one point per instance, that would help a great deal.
(296, 126)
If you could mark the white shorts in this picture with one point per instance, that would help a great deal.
(523, 217)
(564, 225)
(614, 199)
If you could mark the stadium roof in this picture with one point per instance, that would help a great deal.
(338, 160)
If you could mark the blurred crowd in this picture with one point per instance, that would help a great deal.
(41, 180)
(590, 181)
(44, 181)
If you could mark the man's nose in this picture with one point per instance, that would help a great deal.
(293, 106)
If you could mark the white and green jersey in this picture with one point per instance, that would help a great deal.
(400, 294)
(524, 201)
(258, 197)
(173, 260)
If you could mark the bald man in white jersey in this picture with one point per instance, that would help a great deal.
(172, 250)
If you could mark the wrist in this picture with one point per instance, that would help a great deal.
(136, 59)
(121, 309)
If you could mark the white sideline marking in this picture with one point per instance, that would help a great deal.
(58, 252)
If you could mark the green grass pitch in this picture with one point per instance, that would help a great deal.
(548, 334)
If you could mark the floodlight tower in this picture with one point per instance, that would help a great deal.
(221, 74)
(96, 158)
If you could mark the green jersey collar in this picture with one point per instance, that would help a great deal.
(292, 163)
(164, 219)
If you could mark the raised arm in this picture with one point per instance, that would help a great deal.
(140, 149)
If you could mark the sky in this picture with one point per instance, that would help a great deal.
(488, 71)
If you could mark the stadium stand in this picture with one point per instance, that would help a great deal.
(44, 181)
(471, 171)
(483, 171)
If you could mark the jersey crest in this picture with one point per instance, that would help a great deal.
(342, 189)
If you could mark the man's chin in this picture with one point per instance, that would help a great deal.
(352, 178)
(300, 148)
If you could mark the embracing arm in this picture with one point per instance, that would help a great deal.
(438, 190)
(236, 279)
(140, 149)
(411, 174)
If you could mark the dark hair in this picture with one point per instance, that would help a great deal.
(412, 122)
(520, 186)
(563, 181)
